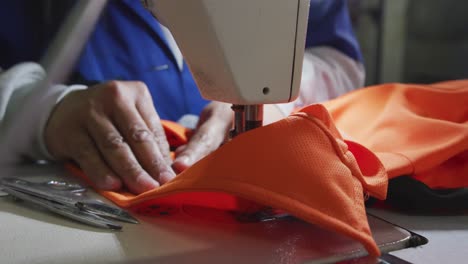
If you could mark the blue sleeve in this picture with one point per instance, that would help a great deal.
(330, 25)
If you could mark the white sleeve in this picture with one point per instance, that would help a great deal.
(16, 86)
(327, 73)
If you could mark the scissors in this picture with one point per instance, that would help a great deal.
(67, 199)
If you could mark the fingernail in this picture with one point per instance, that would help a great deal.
(181, 163)
(166, 176)
(183, 159)
(146, 184)
(113, 183)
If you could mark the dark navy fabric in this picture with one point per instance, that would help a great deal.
(20, 34)
(128, 44)
(330, 25)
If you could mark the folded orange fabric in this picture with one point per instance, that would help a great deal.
(417, 130)
(300, 165)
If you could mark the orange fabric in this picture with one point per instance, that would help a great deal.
(418, 130)
(300, 165)
(176, 134)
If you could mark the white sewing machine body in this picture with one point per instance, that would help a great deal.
(244, 52)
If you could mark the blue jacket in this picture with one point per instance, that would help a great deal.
(128, 44)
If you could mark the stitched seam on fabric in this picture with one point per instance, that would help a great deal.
(338, 152)
(446, 89)
(332, 140)
(413, 167)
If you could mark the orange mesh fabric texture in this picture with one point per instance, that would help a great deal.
(300, 165)
(418, 130)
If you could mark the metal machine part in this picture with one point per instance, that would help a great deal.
(253, 116)
(246, 117)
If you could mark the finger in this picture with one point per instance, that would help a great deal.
(214, 124)
(205, 140)
(143, 143)
(86, 155)
(179, 150)
(118, 155)
(147, 111)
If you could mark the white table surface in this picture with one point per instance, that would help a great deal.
(29, 235)
(448, 236)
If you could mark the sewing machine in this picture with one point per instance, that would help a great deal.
(247, 53)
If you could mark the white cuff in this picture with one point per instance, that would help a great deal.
(56, 94)
(25, 110)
